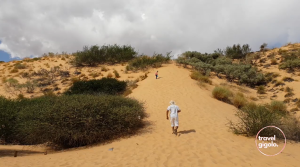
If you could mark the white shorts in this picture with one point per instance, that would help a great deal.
(174, 121)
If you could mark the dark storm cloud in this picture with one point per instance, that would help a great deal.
(35, 27)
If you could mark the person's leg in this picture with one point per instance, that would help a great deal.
(172, 125)
(176, 123)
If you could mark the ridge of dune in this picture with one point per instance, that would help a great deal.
(204, 139)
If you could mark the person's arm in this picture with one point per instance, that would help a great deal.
(179, 110)
(167, 114)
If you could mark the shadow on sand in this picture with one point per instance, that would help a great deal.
(10, 153)
(187, 131)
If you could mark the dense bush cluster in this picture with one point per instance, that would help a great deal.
(143, 62)
(69, 121)
(223, 65)
(95, 55)
(105, 85)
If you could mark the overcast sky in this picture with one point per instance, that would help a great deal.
(34, 27)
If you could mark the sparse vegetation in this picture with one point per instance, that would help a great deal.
(273, 61)
(196, 75)
(279, 83)
(94, 75)
(288, 79)
(144, 76)
(14, 70)
(20, 66)
(261, 89)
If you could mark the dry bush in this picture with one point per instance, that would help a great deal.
(75, 79)
(253, 98)
(261, 89)
(117, 75)
(273, 61)
(222, 93)
(94, 74)
(103, 68)
(279, 83)
(144, 76)
(288, 79)
(196, 75)
(239, 100)
(127, 92)
(294, 109)
(109, 75)
(288, 89)
(14, 70)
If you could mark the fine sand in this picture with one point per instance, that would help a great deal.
(203, 139)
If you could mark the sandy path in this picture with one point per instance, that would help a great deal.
(205, 140)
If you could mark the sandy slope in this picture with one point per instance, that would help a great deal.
(204, 139)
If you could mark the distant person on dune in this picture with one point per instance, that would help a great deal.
(174, 110)
(156, 74)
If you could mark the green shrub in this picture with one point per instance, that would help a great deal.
(252, 118)
(237, 51)
(261, 90)
(290, 64)
(143, 62)
(104, 85)
(94, 55)
(240, 72)
(222, 93)
(8, 118)
(239, 100)
(70, 121)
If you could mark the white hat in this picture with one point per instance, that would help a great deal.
(172, 102)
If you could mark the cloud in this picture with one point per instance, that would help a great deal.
(35, 27)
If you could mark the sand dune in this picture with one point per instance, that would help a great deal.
(203, 138)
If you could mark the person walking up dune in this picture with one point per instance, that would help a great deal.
(174, 110)
(156, 74)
